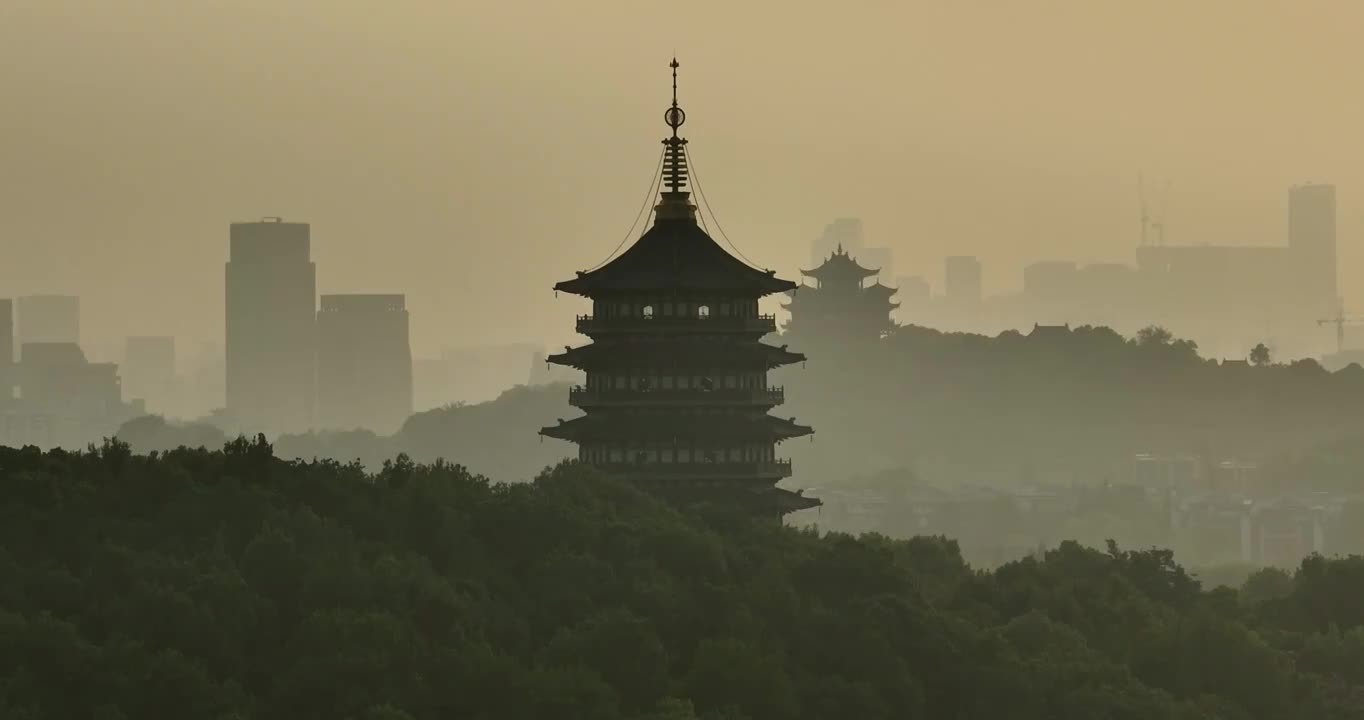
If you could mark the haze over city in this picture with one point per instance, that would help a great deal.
(469, 154)
(681, 361)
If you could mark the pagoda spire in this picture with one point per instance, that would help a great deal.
(676, 199)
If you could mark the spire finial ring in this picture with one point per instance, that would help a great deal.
(674, 117)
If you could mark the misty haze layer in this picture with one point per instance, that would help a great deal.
(466, 156)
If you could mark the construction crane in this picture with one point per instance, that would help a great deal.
(1340, 321)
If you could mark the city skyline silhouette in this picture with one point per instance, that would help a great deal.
(1011, 136)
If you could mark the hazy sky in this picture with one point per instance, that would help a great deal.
(470, 154)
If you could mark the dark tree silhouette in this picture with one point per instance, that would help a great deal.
(234, 584)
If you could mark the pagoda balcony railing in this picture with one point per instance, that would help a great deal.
(589, 325)
(677, 471)
(585, 397)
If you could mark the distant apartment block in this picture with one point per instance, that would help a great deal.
(364, 363)
(271, 289)
(60, 399)
(149, 371)
(49, 319)
(963, 286)
(6, 333)
(912, 290)
(1312, 236)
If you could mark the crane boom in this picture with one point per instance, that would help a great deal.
(1340, 321)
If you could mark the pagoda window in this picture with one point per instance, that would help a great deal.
(703, 312)
(667, 309)
(617, 455)
(666, 382)
(683, 382)
(724, 309)
(648, 312)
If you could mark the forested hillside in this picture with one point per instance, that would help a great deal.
(232, 584)
(1073, 402)
(498, 438)
(1064, 404)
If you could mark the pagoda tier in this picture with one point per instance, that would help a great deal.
(645, 320)
(675, 255)
(677, 390)
(668, 352)
(641, 391)
(735, 492)
(671, 428)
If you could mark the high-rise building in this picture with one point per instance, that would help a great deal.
(677, 394)
(57, 379)
(8, 377)
(364, 363)
(6, 332)
(61, 399)
(1312, 237)
(1050, 281)
(963, 286)
(49, 319)
(148, 372)
(271, 285)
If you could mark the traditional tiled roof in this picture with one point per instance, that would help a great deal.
(675, 351)
(839, 265)
(707, 426)
(676, 255)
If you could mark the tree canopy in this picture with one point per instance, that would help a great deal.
(234, 584)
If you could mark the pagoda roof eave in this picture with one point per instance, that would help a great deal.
(675, 255)
(879, 289)
(682, 351)
(839, 264)
(789, 502)
(590, 428)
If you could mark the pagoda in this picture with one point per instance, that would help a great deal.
(676, 397)
(841, 307)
